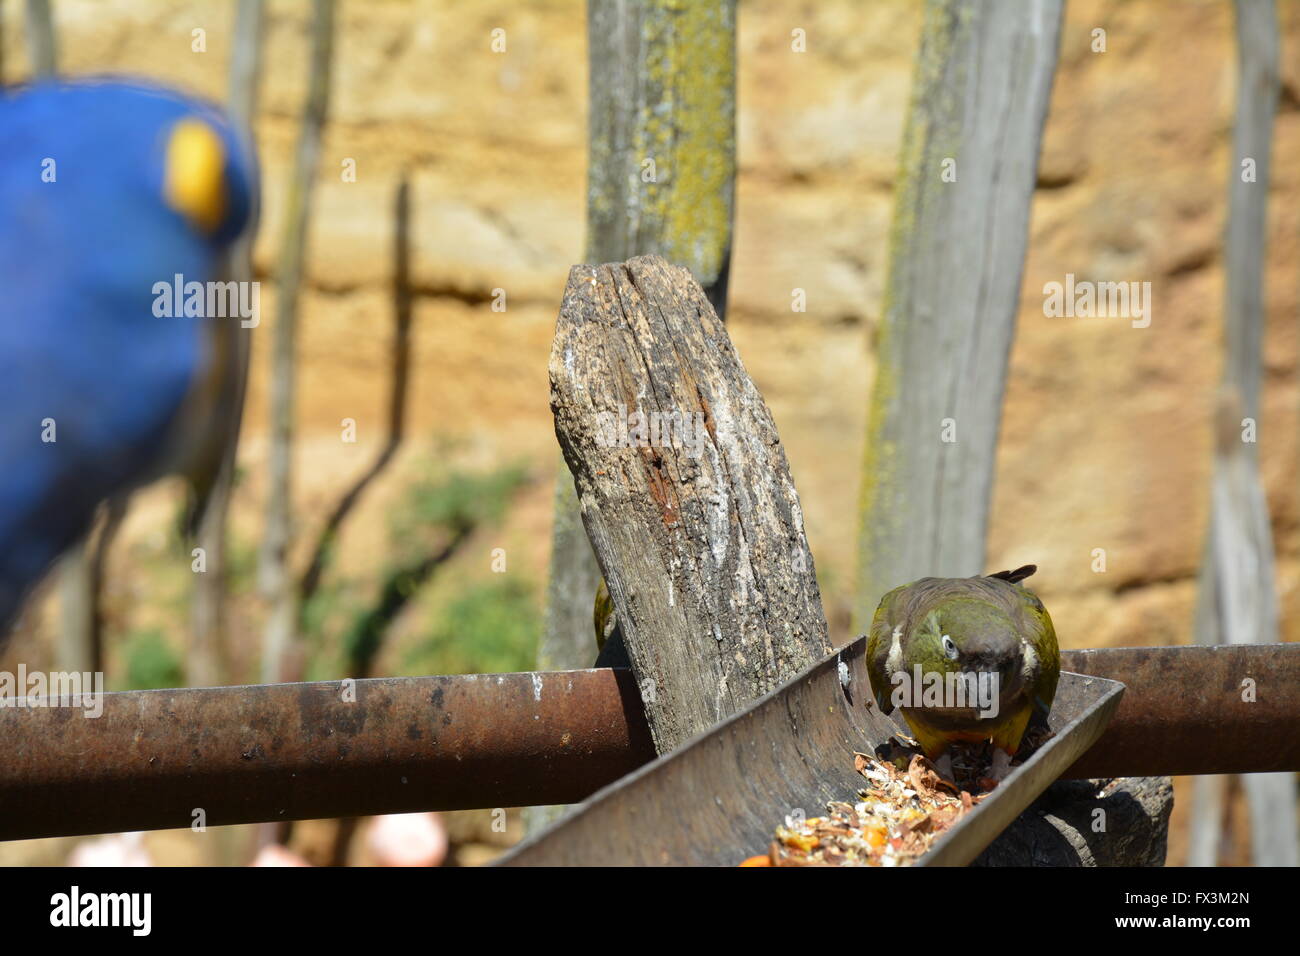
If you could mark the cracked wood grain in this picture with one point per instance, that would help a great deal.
(685, 494)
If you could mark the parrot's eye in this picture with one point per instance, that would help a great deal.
(949, 647)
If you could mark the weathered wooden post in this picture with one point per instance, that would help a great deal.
(1118, 822)
(969, 161)
(661, 166)
(1237, 602)
(661, 178)
(685, 493)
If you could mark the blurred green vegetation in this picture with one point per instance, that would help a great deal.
(347, 622)
(430, 605)
(241, 565)
(151, 662)
(458, 501)
(490, 629)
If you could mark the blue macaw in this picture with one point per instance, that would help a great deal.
(109, 191)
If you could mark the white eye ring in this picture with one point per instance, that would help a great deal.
(949, 647)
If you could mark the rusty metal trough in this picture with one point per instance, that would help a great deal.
(716, 800)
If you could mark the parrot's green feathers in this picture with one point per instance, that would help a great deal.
(878, 644)
(602, 615)
(609, 635)
(965, 658)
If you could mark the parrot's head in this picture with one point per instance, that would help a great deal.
(197, 165)
(207, 177)
(146, 169)
(970, 635)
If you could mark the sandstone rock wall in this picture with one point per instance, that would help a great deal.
(1106, 434)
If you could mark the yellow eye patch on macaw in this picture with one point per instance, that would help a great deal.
(974, 633)
(194, 174)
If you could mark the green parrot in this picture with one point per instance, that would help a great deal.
(609, 636)
(602, 616)
(984, 642)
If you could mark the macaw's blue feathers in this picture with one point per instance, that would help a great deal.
(94, 384)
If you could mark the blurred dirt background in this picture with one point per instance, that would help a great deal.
(1106, 437)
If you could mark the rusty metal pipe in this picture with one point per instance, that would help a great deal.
(302, 751)
(1183, 711)
(299, 751)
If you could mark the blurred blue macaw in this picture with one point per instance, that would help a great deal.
(109, 190)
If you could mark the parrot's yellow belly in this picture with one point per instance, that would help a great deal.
(936, 729)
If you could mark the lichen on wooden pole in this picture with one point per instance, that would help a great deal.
(685, 494)
(662, 144)
(957, 248)
(660, 179)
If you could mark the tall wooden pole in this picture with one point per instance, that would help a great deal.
(661, 167)
(277, 581)
(660, 179)
(205, 663)
(1237, 602)
(42, 51)
(969, 163)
